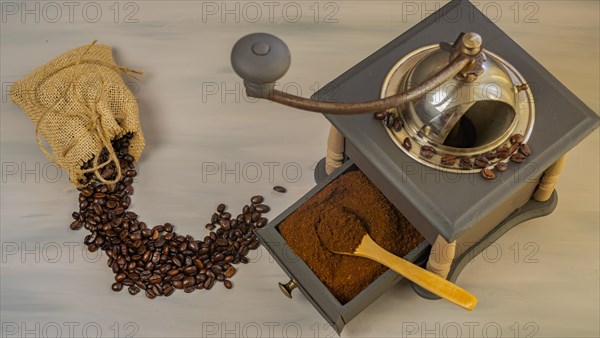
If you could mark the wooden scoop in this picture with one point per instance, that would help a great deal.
(342, 239)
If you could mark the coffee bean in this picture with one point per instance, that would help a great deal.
(76, 225)
(256, 200)
(398, 124)
(262, 208)
(227, 284)
(525, 149)
(150, 294)
(190, 270)
(261, 222)
(188, 281)
(488, 174)
(389, 120)
(168, 290)
(280, 189)
(503, 154)
(517, 138)
(513, 148)
(155, 279)
(120, 277)
(448, 160)
(407, 144)
(465, 163)
(87, 192)
(481, 161)
(193, 246)
(177, 284)
(490, 155)
(379, 116)
(225, 225)
(133, 290)
(230, 271)
(116, 286)
(99, 195)
(426, 152)
(501, 167)
(218, 257)
(208, 284)
(518, 158)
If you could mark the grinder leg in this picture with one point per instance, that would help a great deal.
(441, 257)
(548, 181)
(335, 150)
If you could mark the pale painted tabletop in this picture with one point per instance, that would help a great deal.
(207, 143)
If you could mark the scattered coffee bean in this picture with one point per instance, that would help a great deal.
(280, 189)
(481, 161)
(261, 222)
(76, 225)
(513, 148)
(150, 294)
(525, 149)
(116, 286)
(221, 208)
(255, 200)
(379, 116)
(407, 144)
(517, 138)
(518, 158)
(490, 155)
(448, 160)
(501, 167)
(389, 120)
(262, 208)
(488, 174)
(427, 151)
(466, 163)
(398, 124)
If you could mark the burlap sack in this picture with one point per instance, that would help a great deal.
(79, 103)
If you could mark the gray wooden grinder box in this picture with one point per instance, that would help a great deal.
(459, 207)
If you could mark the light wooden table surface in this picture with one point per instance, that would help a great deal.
(541, 279)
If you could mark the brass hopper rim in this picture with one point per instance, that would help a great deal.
(522, 123)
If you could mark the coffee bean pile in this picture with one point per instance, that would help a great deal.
(156, 259)
(516, 150)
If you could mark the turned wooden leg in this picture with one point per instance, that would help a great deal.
(441, 257)
(335, 150)
(548, 181)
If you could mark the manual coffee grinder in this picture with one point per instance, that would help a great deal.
(447, 159)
